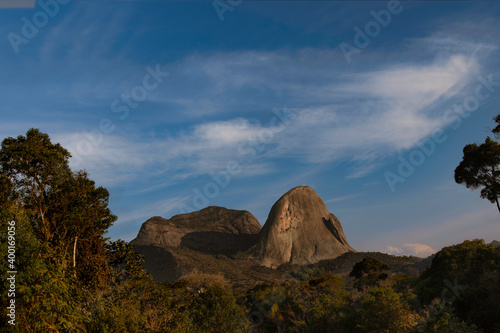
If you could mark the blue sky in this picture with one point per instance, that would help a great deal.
(172, 108)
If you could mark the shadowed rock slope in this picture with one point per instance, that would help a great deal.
(300, 230)
(214, 230)
(187, 243)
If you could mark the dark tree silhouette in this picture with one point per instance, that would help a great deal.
(496, 130)
(368, 266)
(479, 168)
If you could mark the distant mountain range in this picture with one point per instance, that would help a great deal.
(299, 236)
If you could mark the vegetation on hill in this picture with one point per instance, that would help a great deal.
(342, 265)
(70, 278)
(467, 276)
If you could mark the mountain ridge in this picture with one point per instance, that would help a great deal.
(299, 230)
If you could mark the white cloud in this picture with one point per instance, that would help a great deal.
(360, 115)
(208, 147)
(414, 249)
(223, 133)
(337, 115)
(385, 111)
(414, 85)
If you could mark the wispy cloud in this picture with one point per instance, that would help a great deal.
(208, 147)
(380, 112)
(347, 197)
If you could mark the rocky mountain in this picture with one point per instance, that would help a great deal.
(214, 230)
(300, 230)
(172, 247)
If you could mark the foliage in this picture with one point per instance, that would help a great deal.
(332, 313)
(5, 191)
(468, 276)
(398, 264)
(367, 267)
(384, 310)
(46, 296)
(80, 218)
(146, 306)
(440, 318)
(369, 272)
(67, 212)
(36, 168)
(124, 261)
(496, 130)
(480, 168)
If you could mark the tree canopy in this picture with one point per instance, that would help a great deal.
(67, 212)
(480, 167)
(367, 266)
(36, 168)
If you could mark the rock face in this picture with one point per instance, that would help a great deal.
(300, 230)
(214, 230)
(184, 243)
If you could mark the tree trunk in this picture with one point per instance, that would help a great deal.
(44, 226)
(74, 252)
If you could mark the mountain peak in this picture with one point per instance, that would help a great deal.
(300, 230)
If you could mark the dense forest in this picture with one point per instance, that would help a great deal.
(61, 274)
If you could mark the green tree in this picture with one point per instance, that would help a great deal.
(367, 266)
(369, 273)
(68, 213)
(384, 310)
(479, 168)
(124, 261)
(80, 216)
(467, 275)
(332, 312)
(213, 309)
(496, 130)
(439, 317)
(46, 295)
(5, 191)
(36, 168)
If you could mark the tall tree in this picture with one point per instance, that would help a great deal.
(80, 216)
(67, 211)
(480, 168)
(36, 167)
